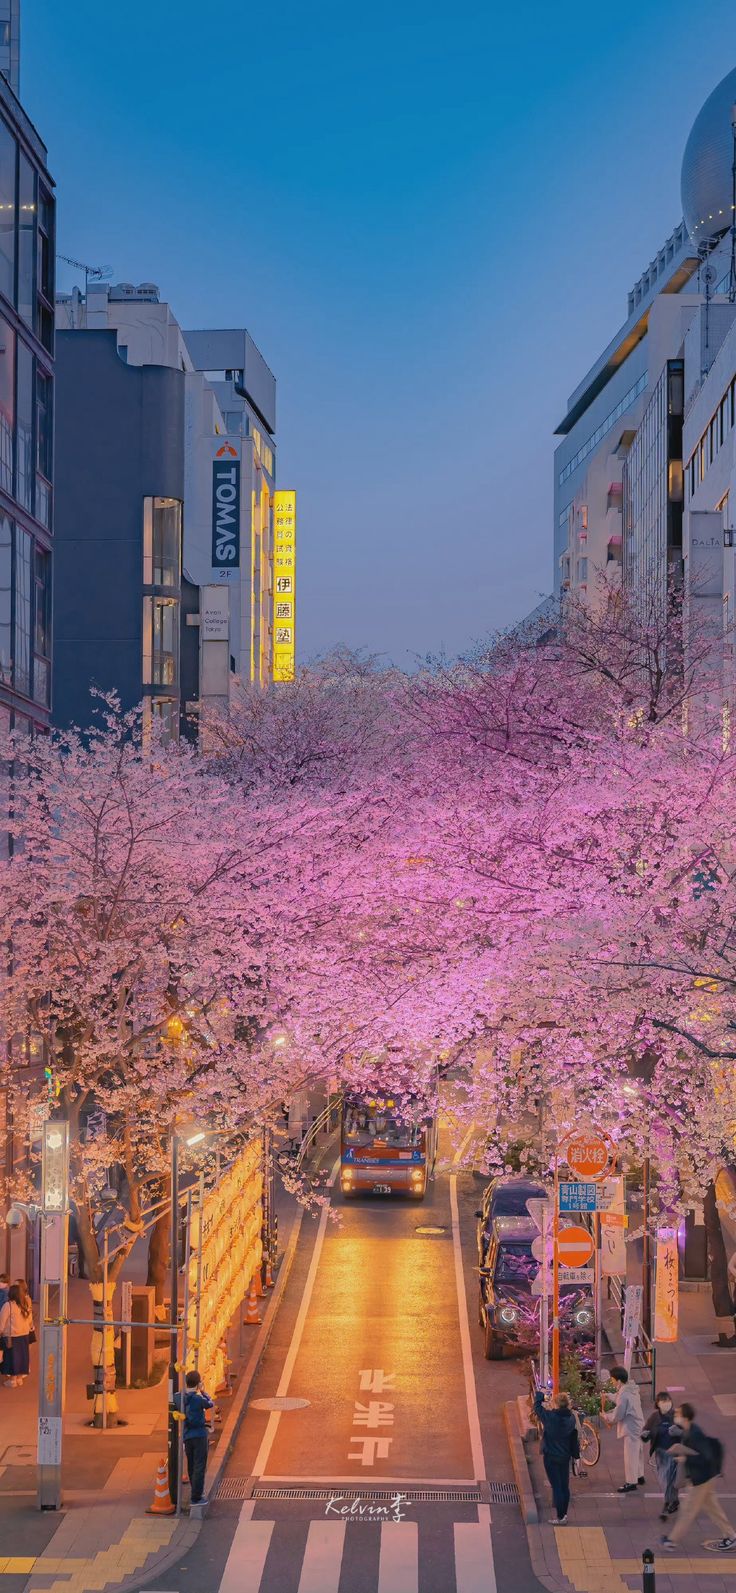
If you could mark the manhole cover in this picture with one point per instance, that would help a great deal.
(279, 1402)
(430, 1230)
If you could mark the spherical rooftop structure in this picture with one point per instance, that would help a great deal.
(707, 181)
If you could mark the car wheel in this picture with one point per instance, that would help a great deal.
(492, 1349)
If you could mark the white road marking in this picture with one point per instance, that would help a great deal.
(248, 1551)
(285, 1379)
(323, 1557)
(398, 1568)
(474, 1568)
(471, 1400)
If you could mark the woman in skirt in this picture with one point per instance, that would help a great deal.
(16, 1327)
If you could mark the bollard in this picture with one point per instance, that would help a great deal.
(648, 1573)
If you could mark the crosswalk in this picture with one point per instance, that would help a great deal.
(336, 1556)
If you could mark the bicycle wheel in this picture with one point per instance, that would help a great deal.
(590, 1444)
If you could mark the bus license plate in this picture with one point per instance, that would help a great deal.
(382, 1189)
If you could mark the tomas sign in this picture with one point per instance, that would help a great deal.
(226, 512)
(589, 1156)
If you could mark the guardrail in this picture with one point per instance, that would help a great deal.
(322, 1123)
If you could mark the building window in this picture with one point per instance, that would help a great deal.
(44, 444)
(6, 599)
(22, 618)
(7, 212)
(7, 404)
(46, 255)
(24, 472)
(42, 625)
(26, 239)
(162, 520)
(165, 642)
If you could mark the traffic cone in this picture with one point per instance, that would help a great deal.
(269, 1274)
(251, 1318)
(257, 1279)
(161, 1504)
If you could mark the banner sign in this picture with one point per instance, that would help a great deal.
(633, 1296)
(666, 1296)
(284, 585)
(578, 1197)
(226, 512)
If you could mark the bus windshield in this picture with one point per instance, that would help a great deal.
(366, 1121)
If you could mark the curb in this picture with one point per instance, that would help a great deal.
(522, 1477)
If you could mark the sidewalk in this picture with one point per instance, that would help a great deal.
(102, 1538)
(600, 1550)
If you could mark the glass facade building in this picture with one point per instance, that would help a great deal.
(27, 254)
(653, 497)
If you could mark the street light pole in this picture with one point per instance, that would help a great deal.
(174, 1381)
(54, 1219)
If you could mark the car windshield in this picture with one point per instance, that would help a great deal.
(515, 1264)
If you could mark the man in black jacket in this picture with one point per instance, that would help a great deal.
(703, 1458)
(560, 1446)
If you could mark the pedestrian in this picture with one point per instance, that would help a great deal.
(16, 1332)
(4, 1288)
(560, 1447)
(658, 1434)
(703, 1458)
(196, 1433)
(628, 1417)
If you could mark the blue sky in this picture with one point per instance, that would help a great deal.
(427, 215)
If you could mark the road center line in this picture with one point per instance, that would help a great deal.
(471, 1400)
(288, 1367)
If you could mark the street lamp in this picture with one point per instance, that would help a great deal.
(54, 1214)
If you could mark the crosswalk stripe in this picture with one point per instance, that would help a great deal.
(474, 1568)
(398, 1570)
(323, 1557)
(248, 1551)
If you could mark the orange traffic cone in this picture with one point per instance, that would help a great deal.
(161, 1504)
(257, 1279)
(269, 1274)
(251, 1318)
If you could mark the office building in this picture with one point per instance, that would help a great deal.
(27, 254)
(168, 593)
(10, 43)
(622, 450)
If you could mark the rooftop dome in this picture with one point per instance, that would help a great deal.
(706, 166)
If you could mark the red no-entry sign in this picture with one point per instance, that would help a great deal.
(574, 1247)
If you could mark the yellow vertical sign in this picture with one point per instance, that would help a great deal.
(284, 584)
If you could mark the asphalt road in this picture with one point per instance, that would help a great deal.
(377, 1339)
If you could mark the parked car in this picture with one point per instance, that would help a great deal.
(509, 1305)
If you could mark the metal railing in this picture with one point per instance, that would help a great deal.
(322, 1123)
(644, 1351)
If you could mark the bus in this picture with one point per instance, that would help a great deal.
(388, 1145)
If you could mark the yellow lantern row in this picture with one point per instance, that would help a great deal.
(226, 1246)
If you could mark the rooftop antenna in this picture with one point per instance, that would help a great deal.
(92, 273)
(732, 277)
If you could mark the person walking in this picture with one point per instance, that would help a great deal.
(196, 1433)
(16, 1332)
(4, 1288)
(560, 1447)
(628, 1417)
(658, 1434)
(703, 1458)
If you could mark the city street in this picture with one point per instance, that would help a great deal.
(386, 1478)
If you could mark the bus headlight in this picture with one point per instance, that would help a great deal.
(417, 1174)
(508, 1314)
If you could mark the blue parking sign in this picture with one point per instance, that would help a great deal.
(578, 1197)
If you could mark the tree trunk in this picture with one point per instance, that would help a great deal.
(718, 1262)
(159, 1255)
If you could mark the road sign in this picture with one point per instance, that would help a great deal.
(576, 1275)
(537, 1207)
(588, 1156)
(578, 1197)
(574, 1247)
(539, 1248)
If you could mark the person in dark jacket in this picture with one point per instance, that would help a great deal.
(703, 1458)
(658, 1434)
(560, 1446)
(195, 1402)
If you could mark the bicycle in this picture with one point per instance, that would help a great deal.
(588, 1437)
